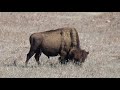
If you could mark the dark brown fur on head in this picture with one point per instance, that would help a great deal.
(84, 55)
(78, 55)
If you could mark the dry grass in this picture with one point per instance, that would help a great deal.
(99, 34)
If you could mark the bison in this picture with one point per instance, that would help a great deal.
(56, 42)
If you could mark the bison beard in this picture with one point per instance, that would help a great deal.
(55, 42)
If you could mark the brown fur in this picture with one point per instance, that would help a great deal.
(78, 55)
(53, 43)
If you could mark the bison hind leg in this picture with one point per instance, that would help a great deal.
(37, 55)
(29, 55)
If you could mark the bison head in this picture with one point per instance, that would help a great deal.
(83, 55)
(78, 55)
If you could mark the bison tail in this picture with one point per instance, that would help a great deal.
(31, 40)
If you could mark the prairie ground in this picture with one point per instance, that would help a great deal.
(98, 32)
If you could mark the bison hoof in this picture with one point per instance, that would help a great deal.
(78, 63)
(63, 62)
(38, 63)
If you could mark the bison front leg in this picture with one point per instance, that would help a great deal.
(77, 62)
(62, 57)
(65, 58)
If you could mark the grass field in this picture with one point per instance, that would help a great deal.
(99, 34)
